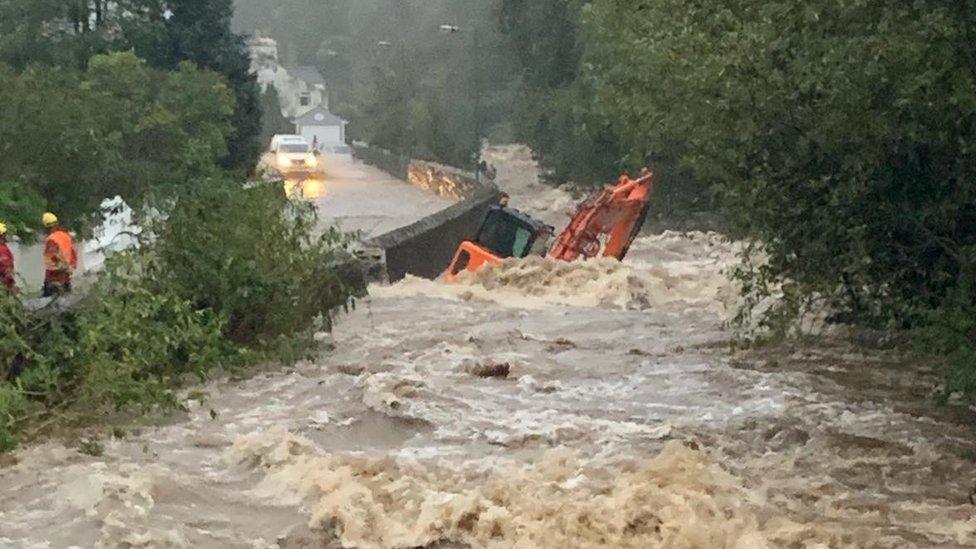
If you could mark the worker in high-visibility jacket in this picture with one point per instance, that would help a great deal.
(6, 261)
(60, 260)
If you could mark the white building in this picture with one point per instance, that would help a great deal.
(302, 93)
(264, 60)
(302, 89)
(321, 128)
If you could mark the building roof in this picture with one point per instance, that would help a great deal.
(307, 74)
(319, 116)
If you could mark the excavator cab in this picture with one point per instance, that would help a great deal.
(505, 233)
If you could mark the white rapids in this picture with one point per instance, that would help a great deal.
(537, 404)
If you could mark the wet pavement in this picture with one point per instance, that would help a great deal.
(358, 198)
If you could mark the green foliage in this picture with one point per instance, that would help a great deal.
(555, 110)
(199, 31)
(838, 134)
(251, 256)
(64, 34)
(15, 343)
(126, 343)
(949, 332)
(19, 205)
(119, 128)
(13, 407)
(223, 275)
(273, 121)
(134, 343)
(836, 115)
(572, 139)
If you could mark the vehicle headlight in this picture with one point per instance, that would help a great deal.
(312, 161)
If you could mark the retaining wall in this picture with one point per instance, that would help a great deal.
(445, 181)
(425, 248)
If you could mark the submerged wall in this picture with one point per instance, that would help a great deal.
(425, 248)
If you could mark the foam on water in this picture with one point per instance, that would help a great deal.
(681, 281)
(537, 404)
(678, 499)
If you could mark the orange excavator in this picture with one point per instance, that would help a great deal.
(605, 224)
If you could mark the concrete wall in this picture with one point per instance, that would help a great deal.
(425, 248)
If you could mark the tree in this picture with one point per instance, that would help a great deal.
(555, 110)
(838, 134)
(273, 122)
(200, 31)
(402, 83)
(166, 33)
(119, 128)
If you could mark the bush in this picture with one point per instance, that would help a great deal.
(224, 275)
(16, 344)
(135, 343)
(19, 207)
(949, 333)
(13, 406)
(837, 134)
(250, 256)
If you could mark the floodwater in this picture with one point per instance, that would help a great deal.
(312, 188)
(535, 405)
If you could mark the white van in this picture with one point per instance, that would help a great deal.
(293, 155)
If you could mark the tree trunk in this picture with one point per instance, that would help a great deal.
(85, 14)
(75, 18)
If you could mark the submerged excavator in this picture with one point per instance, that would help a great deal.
(604, 225)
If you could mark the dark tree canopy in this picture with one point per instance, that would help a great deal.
(166, 33)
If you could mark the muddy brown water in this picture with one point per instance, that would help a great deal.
(620, 419)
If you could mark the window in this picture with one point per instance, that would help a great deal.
(505, 236)
(305, 99)
(293, 149)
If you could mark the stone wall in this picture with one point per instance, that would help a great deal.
(425, 248)
(444, 181)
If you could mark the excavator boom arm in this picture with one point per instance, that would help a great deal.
(605, 224)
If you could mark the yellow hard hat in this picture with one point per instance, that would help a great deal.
(49, 220)
(3, 229)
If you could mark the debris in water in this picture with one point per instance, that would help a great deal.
(490, 369)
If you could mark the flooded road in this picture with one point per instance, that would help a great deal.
(535, 405)
(358, 198)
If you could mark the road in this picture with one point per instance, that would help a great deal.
(361, 199)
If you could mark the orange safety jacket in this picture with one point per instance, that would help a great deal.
(60, 259)
(6, 266)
